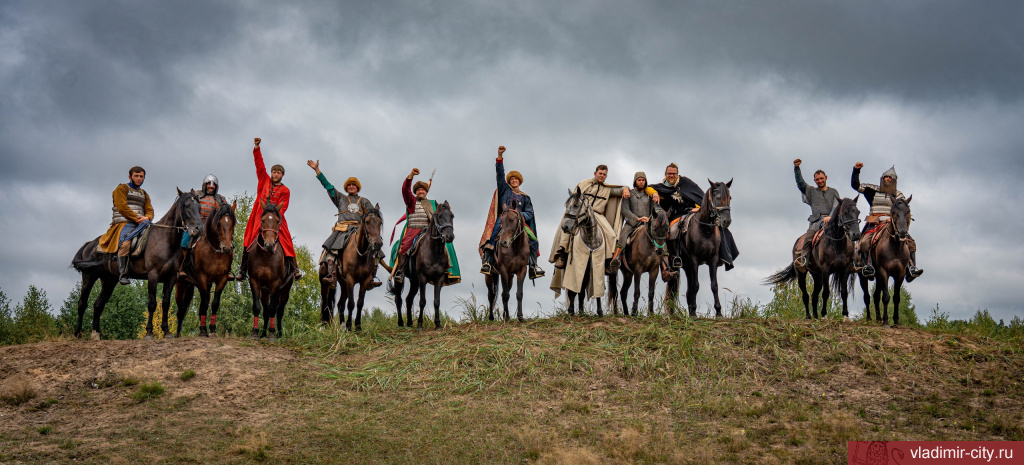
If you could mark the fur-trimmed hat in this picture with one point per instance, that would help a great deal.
(514, 174)
(418, 185)
(353, 180)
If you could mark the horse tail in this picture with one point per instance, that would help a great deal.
(785, 275)
(86, 257)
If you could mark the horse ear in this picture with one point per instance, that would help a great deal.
(908, 198)
(729, 184)
(446, 204)
(233, 205)
(711, 182)
(577, 189)
(179, 191)
(377, 206)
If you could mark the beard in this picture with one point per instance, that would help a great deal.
(887, 187)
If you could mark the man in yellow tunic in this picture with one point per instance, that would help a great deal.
(132, 213)
(605, 200)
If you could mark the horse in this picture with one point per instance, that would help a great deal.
(580, 219)
(700, 245)
(643, 255)
(891, 257)
(511, 257)
(832, 257)
(270, 280)
(428, 264)
(213, 253)
(357, 264)
(158, 264)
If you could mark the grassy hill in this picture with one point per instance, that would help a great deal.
(559, 390)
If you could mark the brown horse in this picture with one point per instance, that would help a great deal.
(158, 264)
(832, 257)
(891, 256)
(212, 254)
(511, 257)
(270, 280)
(428, 265)
(643, 255)
(357, 264)
(700, 245)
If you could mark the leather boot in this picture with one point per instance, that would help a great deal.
(399, 276)
(913, 272)
(122, 269)
(533, 270)
(488, 259)
(185, 264)
(330, 270)
(613, 265)
(561, 259)
(295, 267)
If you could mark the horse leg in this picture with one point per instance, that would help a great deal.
(204, 307)
(801, 279)
(282, 301)
(107, 287)
(214, 307)
(897, 283)
(150, 309)
(844, 291)
(257, 296)
(816, 294)
(571, 297)
(826, 293)
(423, 303)
(88, 280)
(413, 289)
(613, 294)
(359, 308)
(867, 296)
(713, 273)
(652, 280)
(885, 295)
(627, 280)
(692, 286)
(350, 304)
(396, 290)
(326, 301)
(506, 291)
(437, 303)
(182, 293)
(520, 279)
(165, 302)
(269, 326)
(877, 295)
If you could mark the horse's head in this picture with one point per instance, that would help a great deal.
(512, 226)
(848, 218)
(444, 222)
(900, 217)
(372, 222)
(186, 210)
(659, 225)
(220, 225)
(270, 225)
(575, 211)
(717, 202)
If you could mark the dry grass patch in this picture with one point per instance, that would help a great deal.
(17, 390)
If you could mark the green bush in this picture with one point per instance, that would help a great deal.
(6, 321)
(32, 319)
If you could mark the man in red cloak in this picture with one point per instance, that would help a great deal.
(269, 189)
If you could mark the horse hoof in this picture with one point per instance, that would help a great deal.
(95, 336)
(271, 338)
(169, 336)
(886, 326)
(149, 337)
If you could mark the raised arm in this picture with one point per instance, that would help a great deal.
(331, 191)
(407, 194)
(499, 174)
(800, 183)
(855, 179)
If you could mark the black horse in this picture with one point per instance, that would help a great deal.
(700, 245)
(891, 256)
(158, 264)
(428, 265)
(832, 257)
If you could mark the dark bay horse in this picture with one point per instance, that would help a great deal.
(357, 264)
(891, 256)
(700, 245)
(158, 264)
(643, 255)
(428, 265)
(511, 257)
(270, 280)
(832, 257)
(212, 254)
(580, 222)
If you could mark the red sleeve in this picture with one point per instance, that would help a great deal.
(284, 198)
(261, 169)
(407, 195)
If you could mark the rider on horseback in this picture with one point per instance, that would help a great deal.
(351, 208)
(269, 190)
(637, 208)
(133, 212)
(683, 196)
(880, 198)
(508, 193)
(598, 194)
(418, 211)
(823, 201)
(209, 202)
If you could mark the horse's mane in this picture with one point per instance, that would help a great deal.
(271, 208)
(222, 209)
(175, 208)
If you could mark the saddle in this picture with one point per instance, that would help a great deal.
(675, 230)
(343, 226)
(873, 235)
(633, 235)
(139, 243)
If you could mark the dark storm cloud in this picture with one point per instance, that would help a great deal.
(373, 89)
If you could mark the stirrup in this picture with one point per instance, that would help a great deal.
(676, 262)
(536, 272)
(486, 268)
(913, 272)
(800, 261)
(868, 271)
(613, 266)
(398, 278)
(375, 283)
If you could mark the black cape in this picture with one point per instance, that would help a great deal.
(690, 195)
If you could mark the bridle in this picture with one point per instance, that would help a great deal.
(520, 227)
(438, 227)
(276, 230)
(841, 225)
(215, 219)
(366, 234)
(654, 239)
(715, 212)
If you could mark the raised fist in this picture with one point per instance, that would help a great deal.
(858, 166)
(256, 141)
(796, 162)
(501, 150)
(414, 172)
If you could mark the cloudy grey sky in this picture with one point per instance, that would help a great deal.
(372, 89)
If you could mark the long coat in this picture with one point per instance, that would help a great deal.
(607, 206)
(267, 192)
